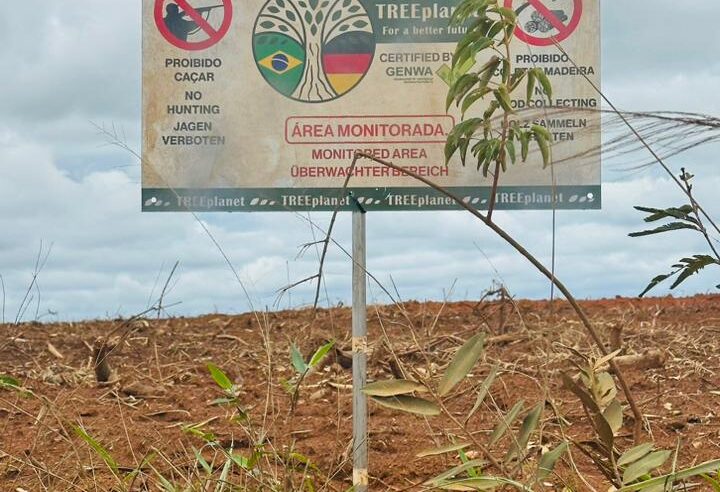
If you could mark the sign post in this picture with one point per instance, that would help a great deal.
(359, 352)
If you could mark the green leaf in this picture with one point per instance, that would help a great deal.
(469, 38)
(481, 151)
(682, 213)
(505, 70)
(543, 145)
(471, 50)
(506, 13)
(472, 472)
(473, 97)
(459, 138)
(442, 450)
(320, 353)
(202, 461)
(530, 423)
(240, 461)
(541, 130)
(392, 387)
(672, 226)
(532, 78)
(505, 423)
(461, 87)
(468, 466)
(410, 404)
(692, 266)
(714, 483)
(525, 145)
(503, 98)
(548, 460)
(167, 486)
(601, 425)
(481, 483)
(483, 391)
(98, 448)
(657, 280)
(634, 454)
(671, 478)
(510, 147)
(495, 29)
(603, 389)
(492, 107)
(645, 465)
(488, 70)
(517, 77)
(220, 377)
(544, 82)
(297, 359)
(614, 416)
(225, 472)
(462, 363)
(466, 8)
(9, 382)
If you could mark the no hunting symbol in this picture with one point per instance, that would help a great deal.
(193, 26)
(545, 22)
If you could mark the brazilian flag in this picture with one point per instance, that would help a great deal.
(280, 60)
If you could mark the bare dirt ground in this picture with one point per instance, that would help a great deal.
(160, 395)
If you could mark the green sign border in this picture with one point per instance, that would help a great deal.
(370, 199)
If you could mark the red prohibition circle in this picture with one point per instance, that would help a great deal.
(565, 30)
(214, 35)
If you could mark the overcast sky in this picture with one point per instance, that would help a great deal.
(71, 64)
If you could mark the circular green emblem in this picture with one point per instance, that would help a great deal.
(313, 50)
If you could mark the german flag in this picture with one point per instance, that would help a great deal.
(347, 58)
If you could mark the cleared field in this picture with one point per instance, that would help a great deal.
(158, 404)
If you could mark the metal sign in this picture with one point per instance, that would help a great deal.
(260, 105)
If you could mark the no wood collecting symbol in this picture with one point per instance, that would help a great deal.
(545, 22)
(313, 50)
(193, 24)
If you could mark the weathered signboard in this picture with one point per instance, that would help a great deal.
(259, 105)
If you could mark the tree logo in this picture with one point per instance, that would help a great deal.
(313, 50)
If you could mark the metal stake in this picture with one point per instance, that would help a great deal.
(359, 346)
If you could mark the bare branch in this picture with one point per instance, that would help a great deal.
(165, 288)
(329, 233)
(295, 284)
(27, 299)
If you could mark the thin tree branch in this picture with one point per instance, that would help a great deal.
(688, 187)
(541, 268)
(326, 241)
